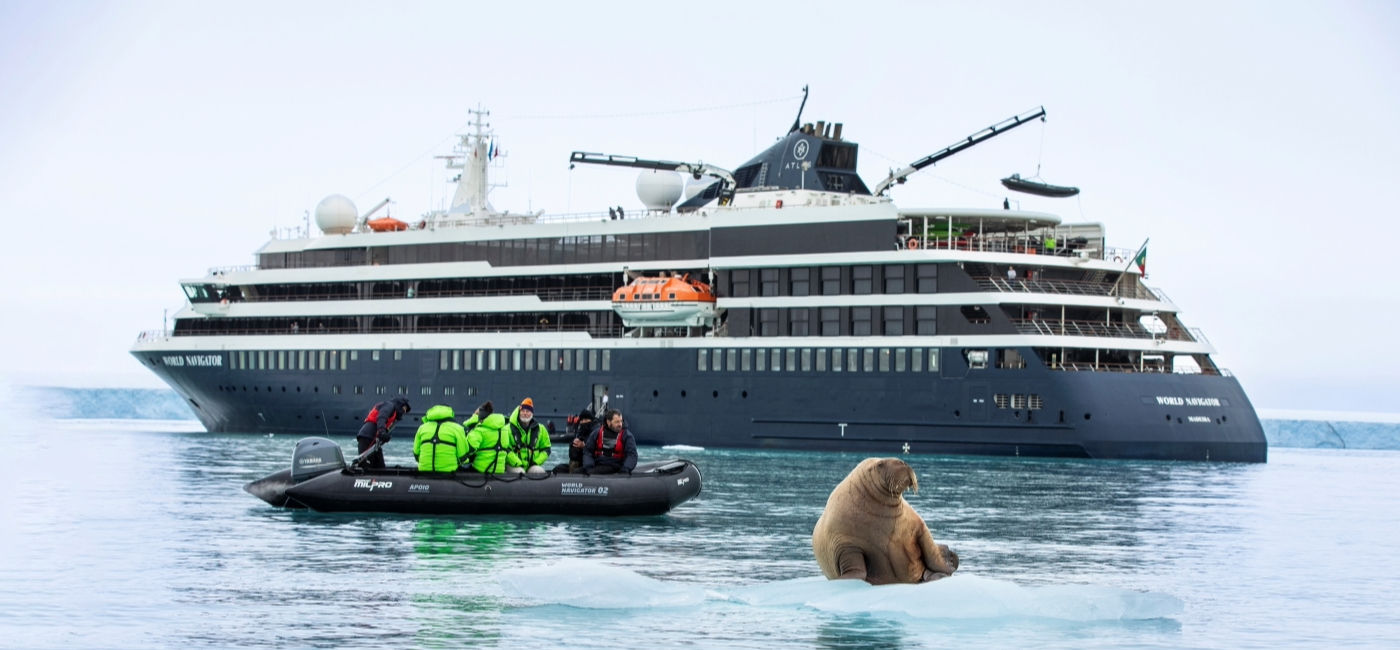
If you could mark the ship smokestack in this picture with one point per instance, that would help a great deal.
(821, 127)
(837, 134)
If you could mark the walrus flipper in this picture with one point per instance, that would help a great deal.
(850, 564)
(939, 560)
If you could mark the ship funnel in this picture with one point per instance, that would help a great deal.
(837, 134)
(821, 128)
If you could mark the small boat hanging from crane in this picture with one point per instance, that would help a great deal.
(1015, 183)
(669, 300)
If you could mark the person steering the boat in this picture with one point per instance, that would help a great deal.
(490, 448)
(380, 420)
(440, 444)
(610, 449)
(530, 436)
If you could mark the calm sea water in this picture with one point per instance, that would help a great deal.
(137, 534)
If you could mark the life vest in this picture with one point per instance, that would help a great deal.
(619, 450)
(374, 415)
(437, 440)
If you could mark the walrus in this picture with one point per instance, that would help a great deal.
(869, 532)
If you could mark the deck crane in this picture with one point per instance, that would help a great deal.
(696, 170)
(977, 138)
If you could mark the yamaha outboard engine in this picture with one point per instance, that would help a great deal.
(314, 457)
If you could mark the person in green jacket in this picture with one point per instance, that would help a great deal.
(491, 449)
(440, 443)
(531, 437)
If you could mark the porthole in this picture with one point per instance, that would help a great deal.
(744, 394)
(682, 393)
(957, 413)
(1169, 417)
(715, 394)
(1086, 416)
(655, 394)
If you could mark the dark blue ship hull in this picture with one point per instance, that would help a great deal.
(667, 398)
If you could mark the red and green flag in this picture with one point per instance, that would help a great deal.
(1141, 259)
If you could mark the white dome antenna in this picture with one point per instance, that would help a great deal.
(659, 190)
(336, 215)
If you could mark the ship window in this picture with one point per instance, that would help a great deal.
(861, 279)
(359, 390)
(860, 321)
(542, 359)
(836, 357)
(894, 278)
(516, 363)
(578, 360)
(456, 359)
(354, 355)
(1018, 401)
(262, 359)
(831, 321)
(916, 360)
(768, 282)
(800, 279)
(933, 360)
(925, 320)
(831, 280)
(868, 360)
(281, 359)
(807, 360)
(403, 390)
(490, 360)
(426, 390)
(398, 355)
(344, 360)
(323, 365)
(1000, 399)
(852, 356)
(717, 360)
(739, 283)
(746, 360)
(374, 355)
(702, 361)
(529, 360)
(1035, 402)
(767, 322)
(381, 390)
(797, 323)
(443, 360)
(671, 296)
(821, 359)
(760, 360)
(928, 278)
(901, 359)
(449, 390)
(731, 360)
(894, 321)
(301, 359)
(776, 363)
(480, 360)
(791, 360)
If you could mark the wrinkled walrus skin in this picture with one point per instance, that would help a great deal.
(869, 532)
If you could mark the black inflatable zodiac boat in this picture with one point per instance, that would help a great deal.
(320, 479)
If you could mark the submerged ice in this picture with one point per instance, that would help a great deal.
(594, 585)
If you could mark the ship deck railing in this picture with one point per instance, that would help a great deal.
(1063, 287)
(545, 294)
(594, 331)
(1090, 366)
(1097, 329)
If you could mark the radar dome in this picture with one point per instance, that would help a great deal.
(336, 215)
(659, 190)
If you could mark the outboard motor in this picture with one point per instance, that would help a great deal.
(314, 457)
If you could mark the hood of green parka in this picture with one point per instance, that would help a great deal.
(439, 412)
(493, 421)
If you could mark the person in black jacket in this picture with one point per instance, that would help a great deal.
(580, 426)
(378, 423)
(610, 448)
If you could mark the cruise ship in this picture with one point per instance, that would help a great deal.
(813, 314)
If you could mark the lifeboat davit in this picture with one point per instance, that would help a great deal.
(386, 224)
(671, 301)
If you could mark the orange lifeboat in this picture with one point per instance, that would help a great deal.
(671, 301)
(386, 224)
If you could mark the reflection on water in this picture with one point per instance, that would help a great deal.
(153, 543)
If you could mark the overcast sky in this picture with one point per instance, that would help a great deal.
(1256, 143)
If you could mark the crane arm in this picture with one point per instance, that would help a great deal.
(966, 143)
(696, 170)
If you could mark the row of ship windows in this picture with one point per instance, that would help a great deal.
(1030, 402)
(447, 359)
(819, 359)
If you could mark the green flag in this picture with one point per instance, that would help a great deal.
(1141, 260)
